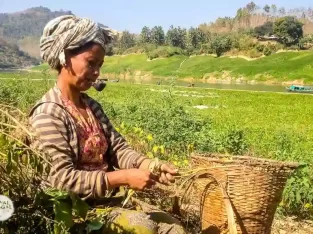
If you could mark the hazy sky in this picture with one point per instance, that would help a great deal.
(134, 14)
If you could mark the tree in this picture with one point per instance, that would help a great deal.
(246, 16)
(195, 38)
(145, 35)
(157, 35)
(239, 14)
(288, 29)
(127, 40)
(265, 29)
(220, 44)
(310, 13)
(274, 9)
(282, 11)
(251, 7)
(177, 37)
(267, 9)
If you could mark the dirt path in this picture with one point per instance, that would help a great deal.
(291, 225)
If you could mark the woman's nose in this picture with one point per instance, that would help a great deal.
(96, 72)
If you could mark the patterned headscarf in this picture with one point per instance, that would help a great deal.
(69, 32)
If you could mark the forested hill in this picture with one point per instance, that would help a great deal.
(24, 28)
(12, 57)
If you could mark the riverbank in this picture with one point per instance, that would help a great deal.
(278, 69)
(144, 80)
(141, 76)
(282, 68)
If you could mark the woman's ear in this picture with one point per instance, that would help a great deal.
(67, 58)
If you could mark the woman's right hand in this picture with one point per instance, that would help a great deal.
(139, 179)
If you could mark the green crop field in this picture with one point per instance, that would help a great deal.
(179, 120)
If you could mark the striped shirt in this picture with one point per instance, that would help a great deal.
(57, 137)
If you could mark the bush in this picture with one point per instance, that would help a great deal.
(172, 126)
(246, 43)
(135, 49)
(298, 194)
(294, 47)
(164, 52)
(197, 52)
(254, 53)
(275, 46)
(116, 50)
(149, 47)
(260, 47)
(206, 49)
(267, 51)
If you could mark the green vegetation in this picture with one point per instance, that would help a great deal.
(288, 29)
(280, 67)
(244, 34)
(164, 122)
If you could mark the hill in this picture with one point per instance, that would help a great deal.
(24, 28)
(12, 57)
(252, 15)
(280, 67)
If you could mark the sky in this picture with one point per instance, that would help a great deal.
(134, 14)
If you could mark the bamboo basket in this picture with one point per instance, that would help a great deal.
(239, 195)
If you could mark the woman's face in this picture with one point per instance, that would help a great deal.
(83, 67)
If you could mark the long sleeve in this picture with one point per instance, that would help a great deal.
(53, 139)
(121, 154)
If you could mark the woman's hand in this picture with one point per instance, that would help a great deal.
(139, 179)
(167, 173)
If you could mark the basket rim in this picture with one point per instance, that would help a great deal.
(242, 159)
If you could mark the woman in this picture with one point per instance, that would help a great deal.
(77, 135)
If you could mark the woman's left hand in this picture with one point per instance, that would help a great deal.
(167, 173)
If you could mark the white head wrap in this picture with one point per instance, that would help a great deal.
(70, 32)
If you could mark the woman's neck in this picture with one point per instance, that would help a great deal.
(69, 92)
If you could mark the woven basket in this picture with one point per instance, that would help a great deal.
(239, 195)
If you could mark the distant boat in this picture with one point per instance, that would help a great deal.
(107, 80)
(300, 89)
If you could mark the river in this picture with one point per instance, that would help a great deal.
(232, 86)
(197, 84)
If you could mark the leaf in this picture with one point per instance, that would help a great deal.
(57, 194)
(94, 225)
(40, 198)
(298, 197)
(122, 125)
(292, 180)
(162, 149)
(150, 155)
(155, 149)
(130, 193)
(150, 137)
(63, 215)
(79, 206)
(307, 206)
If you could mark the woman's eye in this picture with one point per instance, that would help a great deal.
(90, 64)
